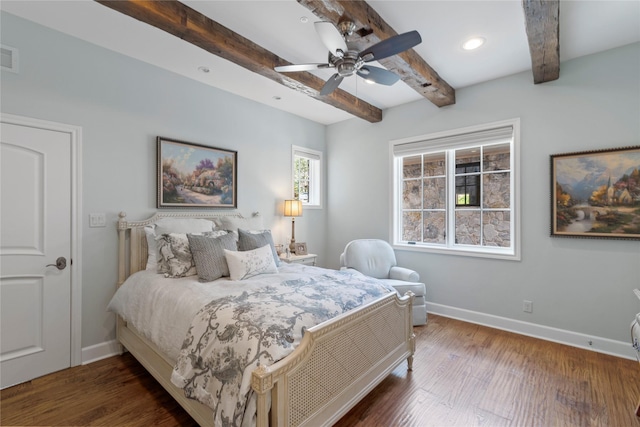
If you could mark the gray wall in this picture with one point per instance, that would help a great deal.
(584, 286)
(122, 105)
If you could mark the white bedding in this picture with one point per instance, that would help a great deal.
(142, 301)
(218, 332)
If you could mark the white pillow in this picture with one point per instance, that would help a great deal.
(233, 223)
(168, 226)
(182, 225)
(247, 264)
(152, 249)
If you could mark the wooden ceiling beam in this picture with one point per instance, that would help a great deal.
(411, 68)
(188, 24)
(542, 21)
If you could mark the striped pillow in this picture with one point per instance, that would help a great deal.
(208, 254)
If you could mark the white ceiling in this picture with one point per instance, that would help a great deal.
(586, 27)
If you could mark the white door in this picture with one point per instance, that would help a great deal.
(35, 243)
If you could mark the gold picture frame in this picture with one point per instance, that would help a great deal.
(596, 194)
(196, 176)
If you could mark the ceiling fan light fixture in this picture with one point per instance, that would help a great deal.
(473, 43)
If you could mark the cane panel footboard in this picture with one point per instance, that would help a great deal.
(337, 363)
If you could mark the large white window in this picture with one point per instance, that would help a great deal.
(458, 191)
(307, 176)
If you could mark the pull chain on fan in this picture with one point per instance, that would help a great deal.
(349, 62)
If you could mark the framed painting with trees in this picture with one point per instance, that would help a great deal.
(196, 176)
(596, 194)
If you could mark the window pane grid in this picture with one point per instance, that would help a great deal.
(424, 198)
(487, 223)
(468, 198)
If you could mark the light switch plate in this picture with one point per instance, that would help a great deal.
(97, 220)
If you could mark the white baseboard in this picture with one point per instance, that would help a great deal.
(100, 351)
(598, 344)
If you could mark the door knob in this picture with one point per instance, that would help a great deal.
(60, 264)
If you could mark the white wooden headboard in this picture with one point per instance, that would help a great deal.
(132, 241)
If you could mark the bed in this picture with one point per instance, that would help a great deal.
(334, 365)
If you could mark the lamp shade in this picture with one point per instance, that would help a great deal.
(292, 208)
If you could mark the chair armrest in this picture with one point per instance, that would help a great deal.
(401, 273)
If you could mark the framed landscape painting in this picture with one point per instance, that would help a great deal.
(596, 194)
(196, 176)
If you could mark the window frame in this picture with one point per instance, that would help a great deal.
(447, 141)
(316, 175)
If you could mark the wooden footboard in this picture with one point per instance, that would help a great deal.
(160, 367)
(337, 364)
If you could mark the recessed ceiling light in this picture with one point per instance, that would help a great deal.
(304, 19)
(473, 43)
(204, 69)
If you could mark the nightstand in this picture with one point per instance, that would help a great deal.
(309, 259)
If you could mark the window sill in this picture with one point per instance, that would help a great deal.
(305, 206)
(506, 254)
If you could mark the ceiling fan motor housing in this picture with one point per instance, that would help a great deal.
(348, 64)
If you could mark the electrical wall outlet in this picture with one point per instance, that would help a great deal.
(97, 220)
(527, 306)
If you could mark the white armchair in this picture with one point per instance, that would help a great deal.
(376, 258)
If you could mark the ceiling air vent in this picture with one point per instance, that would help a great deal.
(9, 58)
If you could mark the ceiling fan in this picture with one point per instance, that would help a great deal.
(349, 62)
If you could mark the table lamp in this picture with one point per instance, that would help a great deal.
(293, 208)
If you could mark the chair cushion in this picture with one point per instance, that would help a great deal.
(419, 289)
(371, 257)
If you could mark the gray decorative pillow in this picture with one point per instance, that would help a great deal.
(248, 241)
(208, 254)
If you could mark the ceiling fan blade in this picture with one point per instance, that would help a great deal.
(300, 67)
(378, 75)
(391, 46)
(331, 84)
(330, 37)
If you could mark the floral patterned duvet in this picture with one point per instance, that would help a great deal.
(230, 336)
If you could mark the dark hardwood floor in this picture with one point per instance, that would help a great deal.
(464, 375)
